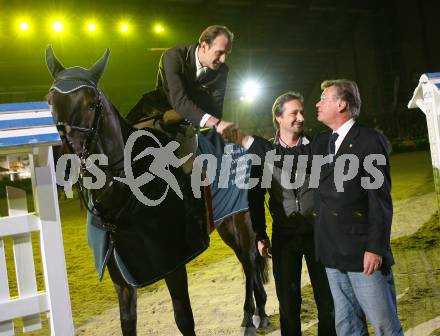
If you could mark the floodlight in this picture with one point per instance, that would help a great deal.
(24, 26)
(91, 27)
(124, 27)
(250, 90)
(159, 28)
(58, 26)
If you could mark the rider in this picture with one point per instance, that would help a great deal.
(190, 90)
(191, 80)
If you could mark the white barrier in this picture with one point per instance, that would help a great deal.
(427, 97)
(28, 128)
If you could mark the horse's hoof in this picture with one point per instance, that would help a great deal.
(256, 321)
(260, 321)
(248, 331)
(264, 321)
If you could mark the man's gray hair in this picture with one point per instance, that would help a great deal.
(348, 91)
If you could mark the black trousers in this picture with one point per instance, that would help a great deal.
(288, 250)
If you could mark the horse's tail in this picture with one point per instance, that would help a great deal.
(262, 268)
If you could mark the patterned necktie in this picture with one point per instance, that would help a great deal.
(331, 146)
(202, 72)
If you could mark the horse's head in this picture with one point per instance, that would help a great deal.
(75, 99)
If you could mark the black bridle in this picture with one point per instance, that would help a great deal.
(91, 136)
(91, 132)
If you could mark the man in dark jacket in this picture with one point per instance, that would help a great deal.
(354, 215)
(191, 80)
(292, 230)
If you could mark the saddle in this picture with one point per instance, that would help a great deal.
(174, 127)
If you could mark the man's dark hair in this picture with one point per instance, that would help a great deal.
(278, 105)
(210, 33)
(348, 91)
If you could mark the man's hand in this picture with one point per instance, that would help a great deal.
(222, 126)
(372, 262)
(233, 134)
(264, 248)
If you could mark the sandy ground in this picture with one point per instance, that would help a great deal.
(217, 292)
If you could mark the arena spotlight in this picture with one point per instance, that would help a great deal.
(250, 91)
(158, 28)
(23, 26)
(58, 26)
(91, 27)
(124, 27)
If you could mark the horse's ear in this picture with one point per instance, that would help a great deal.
(52, 62)
(98, 69)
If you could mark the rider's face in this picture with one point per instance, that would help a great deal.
(215, 55)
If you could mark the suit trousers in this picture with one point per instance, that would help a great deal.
(288, 250)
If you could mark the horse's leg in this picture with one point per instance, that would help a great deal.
(259, 273)
(127, 297)
(261, 320)
(241, 242)
(177, 283)
(259, 269)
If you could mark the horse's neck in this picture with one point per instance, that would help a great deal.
(113, 133)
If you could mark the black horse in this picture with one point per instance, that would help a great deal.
(141, 244)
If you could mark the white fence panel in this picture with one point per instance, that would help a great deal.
(29, 128)
(23, 256)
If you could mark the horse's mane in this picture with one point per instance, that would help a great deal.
(126, 128)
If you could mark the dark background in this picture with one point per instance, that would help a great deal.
(286, 45)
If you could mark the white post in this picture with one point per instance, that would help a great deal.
(52, 250)
(6, 327)
(23, 256)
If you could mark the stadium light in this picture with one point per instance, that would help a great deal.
(124, 27)
(250, 91)
(158, 28)
(91, 27)
(58, 26)
(24, 26)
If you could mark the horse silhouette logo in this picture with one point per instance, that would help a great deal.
(164, 157)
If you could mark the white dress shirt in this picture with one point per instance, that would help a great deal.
(342, 132)
(199, 70)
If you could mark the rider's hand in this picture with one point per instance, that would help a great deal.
(264, 248)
